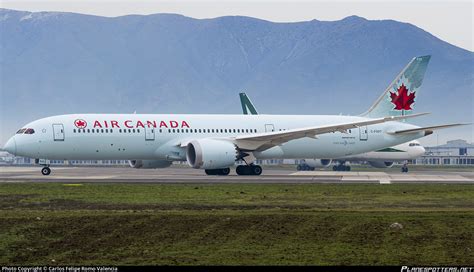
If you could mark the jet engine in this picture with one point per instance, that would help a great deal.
(381, 164)
(317, 163)
(210, 154)
(149, 164)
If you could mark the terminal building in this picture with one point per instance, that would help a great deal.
(455, 152)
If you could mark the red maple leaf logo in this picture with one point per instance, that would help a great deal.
(402, 100)
(80, 123)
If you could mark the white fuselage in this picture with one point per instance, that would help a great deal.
(402, 152)
(162, 136)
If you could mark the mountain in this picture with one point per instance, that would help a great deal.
(56, 63)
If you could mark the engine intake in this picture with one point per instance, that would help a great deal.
(210, 154)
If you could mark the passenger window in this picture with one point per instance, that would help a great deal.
(138, 130)
(247, 130)
(199, 130)
(120, 130)
(74, 130)
(102, 130)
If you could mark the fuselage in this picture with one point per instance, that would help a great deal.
(162, 136)
(402, 152)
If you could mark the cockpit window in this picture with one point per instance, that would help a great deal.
(414, 144)
(26, 131)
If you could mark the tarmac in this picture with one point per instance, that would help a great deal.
(188, 175)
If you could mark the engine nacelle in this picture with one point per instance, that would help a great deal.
(149, 164)
(381, 164)
(318, 163)
(210, 154)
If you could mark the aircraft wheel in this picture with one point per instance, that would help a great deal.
(210, 172)
(348, 168)
(46, 171)
(334, 168)
(240, 170)
(256, 170)
(298, 168)
(223, 171)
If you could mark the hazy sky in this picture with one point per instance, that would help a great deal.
(451, 21)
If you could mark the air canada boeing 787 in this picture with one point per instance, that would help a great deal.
(216, 142)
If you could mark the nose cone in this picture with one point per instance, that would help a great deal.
(10, 146)
(422, 150)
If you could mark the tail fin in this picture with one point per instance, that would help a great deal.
(400, 96)
(247, 106)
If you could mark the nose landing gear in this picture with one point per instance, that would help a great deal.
(46, 171)
(45, 163)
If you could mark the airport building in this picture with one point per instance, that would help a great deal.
(455, 152)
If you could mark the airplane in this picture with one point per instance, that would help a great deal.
(383, 158)
(215, 142)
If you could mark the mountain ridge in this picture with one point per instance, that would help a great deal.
(163, 63)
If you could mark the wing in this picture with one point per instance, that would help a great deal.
(262, 141)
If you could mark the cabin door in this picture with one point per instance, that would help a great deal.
(363, 133)
(150, 133)
(269, 128)
(58, 132)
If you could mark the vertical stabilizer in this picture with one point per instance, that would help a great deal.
(401, 95)
(247, 106)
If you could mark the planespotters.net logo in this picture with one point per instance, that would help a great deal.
(80, 123)
(437, 269)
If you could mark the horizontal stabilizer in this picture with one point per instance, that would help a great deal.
(427, 130)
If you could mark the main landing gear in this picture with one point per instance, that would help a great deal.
(341, 167)
(46, 171)
(249, 170)
(218, 172)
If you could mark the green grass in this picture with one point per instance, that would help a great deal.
(233, 224)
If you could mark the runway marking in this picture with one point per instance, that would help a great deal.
(385, 181)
